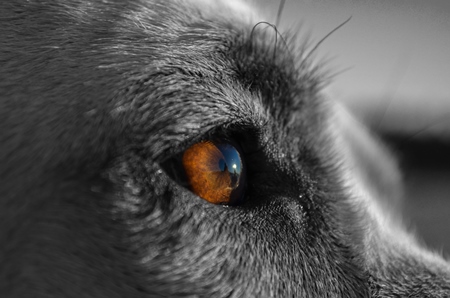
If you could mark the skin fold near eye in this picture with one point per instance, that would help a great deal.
(215, 172)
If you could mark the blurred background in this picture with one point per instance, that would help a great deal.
(393, 65)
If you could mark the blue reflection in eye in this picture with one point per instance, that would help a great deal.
(222, 164)
(231, 162)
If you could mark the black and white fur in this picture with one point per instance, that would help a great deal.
(96, 97)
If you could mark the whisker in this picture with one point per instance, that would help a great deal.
(443, 118)
(395, 80)
(277, 33)
(280, 11)
(324, 38)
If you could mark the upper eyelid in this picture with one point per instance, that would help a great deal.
(182, 146)
(228, 132)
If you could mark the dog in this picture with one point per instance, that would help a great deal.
(120, 124)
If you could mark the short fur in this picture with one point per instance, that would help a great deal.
(97, 97)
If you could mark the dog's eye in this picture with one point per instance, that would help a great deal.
(215, 172)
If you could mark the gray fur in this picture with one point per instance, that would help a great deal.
(96, 99)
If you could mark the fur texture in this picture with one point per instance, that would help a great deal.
(97, 97)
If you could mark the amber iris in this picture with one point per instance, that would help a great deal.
(215, 172)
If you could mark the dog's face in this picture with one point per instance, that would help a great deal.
(120, 124)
